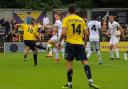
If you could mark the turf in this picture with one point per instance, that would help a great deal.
(17, 74)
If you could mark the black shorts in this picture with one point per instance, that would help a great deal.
(31, 44)
(75, 51)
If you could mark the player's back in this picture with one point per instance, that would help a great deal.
(94, 27)
(29, 32)
(75, 26)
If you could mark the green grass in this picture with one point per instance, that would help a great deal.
(17, 74)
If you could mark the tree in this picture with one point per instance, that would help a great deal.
(50, 4)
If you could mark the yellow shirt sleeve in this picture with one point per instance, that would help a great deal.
(23, 26)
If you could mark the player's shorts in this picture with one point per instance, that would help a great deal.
(94, 44)
(75, 51)
(56, 38)
(31, 44)
(114, 40)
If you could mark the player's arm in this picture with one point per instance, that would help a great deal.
(121, 30)
(88, 31)
(38, 37)
(48, 26)
(64, 29)
(16, 28)
(104, 28)
(55, 30)
(86, 35)
(108, 32)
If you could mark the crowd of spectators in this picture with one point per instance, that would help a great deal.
(7, 26)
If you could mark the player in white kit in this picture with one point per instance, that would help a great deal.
(94, 26)
(115, 31)
(126, 55)
(56, 35)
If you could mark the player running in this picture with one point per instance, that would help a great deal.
(74, 28)
(114, 30)
(54, 40)
(29, 36)
(94, 26)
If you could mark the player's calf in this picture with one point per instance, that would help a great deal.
(126, 55)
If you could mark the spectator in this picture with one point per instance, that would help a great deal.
(45, 20)
(7, 27)
(13, 23)
(2, 21)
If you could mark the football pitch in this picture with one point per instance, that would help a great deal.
(17, 74)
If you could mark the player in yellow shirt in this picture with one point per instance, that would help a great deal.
(26, 48)
(29, 36)
(39, 30)
(74, 28)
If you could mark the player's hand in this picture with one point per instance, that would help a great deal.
(85, 43)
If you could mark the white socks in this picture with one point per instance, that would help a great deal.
(90, 80)
(117, 53)
(111, 54)
(98, 54)
(89, 53)
(56, 51)
(69, 83)
(63, 55)
(125, 56)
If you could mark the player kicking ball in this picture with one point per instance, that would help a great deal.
(30, 32)
(94, 27)
(74, 28)
(39, 29)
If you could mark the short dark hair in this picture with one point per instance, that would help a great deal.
(71, 8)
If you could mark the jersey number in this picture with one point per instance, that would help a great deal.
(30, 30)
(93, 27)
(76, 29)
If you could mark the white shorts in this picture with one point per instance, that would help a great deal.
(94, 44)
(56, 39)
(114, 40)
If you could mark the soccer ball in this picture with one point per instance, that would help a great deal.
(118, 33)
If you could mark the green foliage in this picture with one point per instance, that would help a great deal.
(50, 4)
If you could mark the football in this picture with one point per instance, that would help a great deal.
(118, 33)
